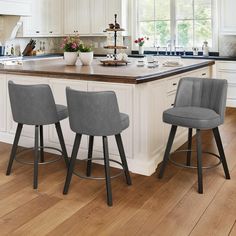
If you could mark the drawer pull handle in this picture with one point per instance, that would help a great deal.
(203, 74)
(172, 104)
(174, 84)
(37, 32)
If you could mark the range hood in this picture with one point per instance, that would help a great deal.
(15, 7)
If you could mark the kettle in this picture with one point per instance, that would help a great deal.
(205, 49)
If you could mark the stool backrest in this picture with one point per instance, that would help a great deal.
(206, 93)
(93, 113)
(32, 104)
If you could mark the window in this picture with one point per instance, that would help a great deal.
(185, 23)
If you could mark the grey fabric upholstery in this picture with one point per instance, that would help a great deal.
(34, 105)
(200, 103)
(95, 113)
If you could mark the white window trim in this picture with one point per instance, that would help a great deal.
(215, 27)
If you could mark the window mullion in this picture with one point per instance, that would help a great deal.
(173, 23)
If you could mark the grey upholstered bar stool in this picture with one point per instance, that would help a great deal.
(199, 104)
(96, 114)
(35, 105)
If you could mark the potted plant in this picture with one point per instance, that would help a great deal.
(85, 54)
(70, 46)
(141, 42)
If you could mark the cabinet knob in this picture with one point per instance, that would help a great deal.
(203, 74)
(50, 32)
(172, 104)
(174, 84)
(37, 32)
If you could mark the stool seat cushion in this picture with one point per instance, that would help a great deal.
(124, 121)
(192, 117)
(62, 112)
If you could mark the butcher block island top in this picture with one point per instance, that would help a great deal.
(130, 74)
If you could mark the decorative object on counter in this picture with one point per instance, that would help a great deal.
(195, 51)
(141, 42)
(70, 46)
(115, 28)
(205, 49)
(85, 55)
(29, 48)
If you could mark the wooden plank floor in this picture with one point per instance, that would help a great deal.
(170, 206)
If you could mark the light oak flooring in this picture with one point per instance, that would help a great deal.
(150, 206)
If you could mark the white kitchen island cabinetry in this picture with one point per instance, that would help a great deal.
(144, 102)
(227, 70)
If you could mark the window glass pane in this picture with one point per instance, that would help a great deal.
(202, 9)
(184, 9)
(184, 33)
(162, 32)
(147, 29)
(145, 10)
(203, 32)
(162, 9)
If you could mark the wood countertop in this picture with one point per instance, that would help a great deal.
(130, 74)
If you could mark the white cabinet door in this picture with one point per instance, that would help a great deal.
(83, 17)
(121, 8)
(3, 113)
(124, 95)
(46, 19)
(59, 91)
(70, 17)
(55, 13)
(98, 17)
(227, 17)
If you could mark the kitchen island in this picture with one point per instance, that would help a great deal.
(143, 93)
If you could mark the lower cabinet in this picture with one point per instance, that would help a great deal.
(227, 70)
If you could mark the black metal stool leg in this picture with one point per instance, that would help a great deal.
(90, 154)
(168, 149)
(72, 162)
(62, 143)
(107, 170)
(199, 161)
(14, 148)
(36, 156)
(123, 158)
(221, 152)
(41, 145)
(190, 133)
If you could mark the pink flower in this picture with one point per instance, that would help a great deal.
(74, 45)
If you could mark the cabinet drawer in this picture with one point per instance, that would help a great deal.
(224, 66)
(230, 76)
(171, 100)
(172, 85)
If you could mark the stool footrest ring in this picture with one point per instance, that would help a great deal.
(99, 178)
(195, 167)
(25, 150)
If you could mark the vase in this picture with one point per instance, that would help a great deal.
(141, 50)
(70, 58)
(86, 58)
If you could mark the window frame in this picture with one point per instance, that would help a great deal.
(215, 26)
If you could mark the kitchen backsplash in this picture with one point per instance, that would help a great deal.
(52, 45)
(227, 45)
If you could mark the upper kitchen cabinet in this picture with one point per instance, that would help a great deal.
(77, 17)
(121, 8)
(98, 16)
(91, 17)
(46, 19)
(15, 8)
(85, 17)
(227, 17)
